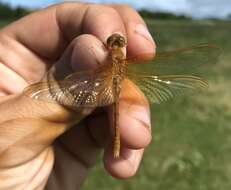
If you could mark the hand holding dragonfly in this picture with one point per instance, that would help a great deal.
(29, 128)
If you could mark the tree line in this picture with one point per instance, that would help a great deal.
(10, 13)
(163, 15)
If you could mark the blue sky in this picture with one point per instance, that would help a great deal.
(30, 3)
(195, 8)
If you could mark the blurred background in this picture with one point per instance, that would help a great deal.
(191, 147)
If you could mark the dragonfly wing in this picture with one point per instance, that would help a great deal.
(185, 61)
(81, 89)
(173, 73)
(162, 88)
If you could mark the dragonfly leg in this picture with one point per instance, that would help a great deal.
(116, 148)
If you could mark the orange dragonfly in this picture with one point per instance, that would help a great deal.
(168, 75)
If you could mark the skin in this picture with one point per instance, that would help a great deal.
(34, 133)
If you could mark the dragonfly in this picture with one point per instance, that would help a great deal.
(168, 75)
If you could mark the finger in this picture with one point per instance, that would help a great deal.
(139, 38)
(134, 117)
(126, 165)
(63, 23)
(97, 21)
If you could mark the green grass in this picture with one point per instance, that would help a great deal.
(191, 148)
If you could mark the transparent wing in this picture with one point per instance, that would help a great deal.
(185, 61)
(173, 73)
(81, 89)
(162, 88)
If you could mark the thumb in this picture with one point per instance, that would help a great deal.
(29, 126)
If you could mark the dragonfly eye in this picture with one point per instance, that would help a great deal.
(116, 41)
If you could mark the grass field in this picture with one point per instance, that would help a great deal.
(191, 148)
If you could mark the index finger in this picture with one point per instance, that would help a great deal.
(49, 31)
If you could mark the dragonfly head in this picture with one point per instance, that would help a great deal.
(116, 41)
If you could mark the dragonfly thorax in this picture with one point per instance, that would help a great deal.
(119, 66)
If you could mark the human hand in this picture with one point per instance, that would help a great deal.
(33, 133)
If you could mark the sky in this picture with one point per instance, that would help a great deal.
(195, 8)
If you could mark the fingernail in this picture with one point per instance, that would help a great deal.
(129, 154)
(133, 158)
(143, 31)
